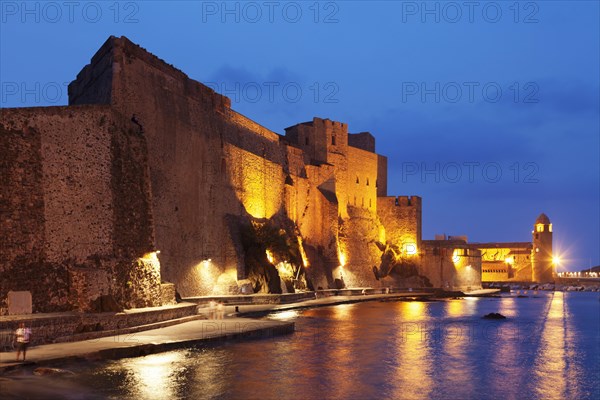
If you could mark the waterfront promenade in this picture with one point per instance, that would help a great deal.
(134, 343)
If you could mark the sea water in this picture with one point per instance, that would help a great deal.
(547, 348)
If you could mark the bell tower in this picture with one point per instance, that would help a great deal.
(541, 254)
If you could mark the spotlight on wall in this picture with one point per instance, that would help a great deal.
(410, 249)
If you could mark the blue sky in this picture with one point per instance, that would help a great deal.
(490, 112)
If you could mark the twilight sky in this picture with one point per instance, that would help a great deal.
(488, 110)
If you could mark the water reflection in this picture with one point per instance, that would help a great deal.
(455, 337)
(288, 315)
(547, 348)
(150, 377)
(550, 365)
(414, 363)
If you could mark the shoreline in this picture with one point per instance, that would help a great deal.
(241, 323)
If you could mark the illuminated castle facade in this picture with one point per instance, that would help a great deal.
(149, 181)
(149, 177)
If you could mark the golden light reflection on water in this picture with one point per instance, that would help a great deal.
(508, 307)
(288, 315)
(384, 350)
(454, 308)
(341, 351)
(152, 376)
(551, 365)
(413, 310)
(413, 352)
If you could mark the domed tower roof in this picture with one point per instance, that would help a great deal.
(542, 219)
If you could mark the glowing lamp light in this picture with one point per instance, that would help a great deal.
(556, 260)
(510, 260)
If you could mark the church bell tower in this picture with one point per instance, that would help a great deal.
(541, 254)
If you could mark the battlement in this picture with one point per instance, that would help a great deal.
(323, 124)
(319, 138)
(400, 201)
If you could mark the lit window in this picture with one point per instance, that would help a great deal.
(539, 227)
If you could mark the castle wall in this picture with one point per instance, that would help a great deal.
(209, 163)
(382, 176)
(505, 261)
(401, 216)
(362, 179)
(362, 140)
(451, 265)
(77, 183)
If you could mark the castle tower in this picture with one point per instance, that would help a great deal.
(541, 254)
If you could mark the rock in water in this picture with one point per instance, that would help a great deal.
(41, 371)
(494, 316)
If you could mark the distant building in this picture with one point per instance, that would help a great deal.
(520, 261)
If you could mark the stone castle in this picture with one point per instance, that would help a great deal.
(149, 182)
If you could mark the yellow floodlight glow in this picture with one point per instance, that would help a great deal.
(510, 260)
(302, 252)
(152, 256)
(342, 258)
(410, 249)
(455, 256)
(270, 256)
(341, 255)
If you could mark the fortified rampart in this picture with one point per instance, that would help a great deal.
(149, 176)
